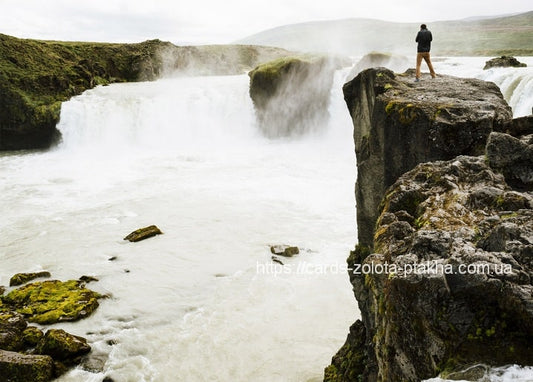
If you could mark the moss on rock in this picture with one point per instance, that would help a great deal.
(62, 346)
(53, 301)
(23, 278)
(32, 336)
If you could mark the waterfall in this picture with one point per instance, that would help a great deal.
(187, 113)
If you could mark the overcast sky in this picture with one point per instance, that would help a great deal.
(212, 21)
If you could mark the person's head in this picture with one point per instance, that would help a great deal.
(423, 26)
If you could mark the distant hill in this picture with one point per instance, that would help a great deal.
(479, 36)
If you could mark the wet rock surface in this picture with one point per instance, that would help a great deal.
(23, 278)
(62, 346)
(49, 302)
(143, 233)
(284, 250)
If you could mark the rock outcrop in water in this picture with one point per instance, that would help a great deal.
(442, 272)
(503, 62)
(36, 76)
(143, 233)
(291, 95)
(28, 354)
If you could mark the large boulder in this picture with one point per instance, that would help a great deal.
(12, 326)
(503, 62)
(291, 95)
(143, 233)
(62, 346)
(16, 367)
(53, 301)
(513, 156)
(399, 124)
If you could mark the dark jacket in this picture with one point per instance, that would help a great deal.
(423, 38)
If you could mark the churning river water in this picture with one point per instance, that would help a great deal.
(203, 301)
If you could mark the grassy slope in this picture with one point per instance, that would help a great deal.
(486, 37)
(36, 76)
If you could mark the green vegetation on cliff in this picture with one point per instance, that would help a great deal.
(36, 76)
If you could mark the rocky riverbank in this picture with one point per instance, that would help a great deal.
(27, 353)
(444, 213)
(36, 76)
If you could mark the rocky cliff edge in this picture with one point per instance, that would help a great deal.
(444, 266)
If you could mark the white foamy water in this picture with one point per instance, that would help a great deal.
(201, 302)
(516, 84)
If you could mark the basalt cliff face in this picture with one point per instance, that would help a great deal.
(36, 76)
(444, 266)
(399, 124)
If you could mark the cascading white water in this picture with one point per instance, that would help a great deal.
(201, 302)
(185, 114)
(516, 84)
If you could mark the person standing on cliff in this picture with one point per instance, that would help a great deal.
(424, 38)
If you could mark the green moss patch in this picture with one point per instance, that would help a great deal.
(22, 278)
(53, 301)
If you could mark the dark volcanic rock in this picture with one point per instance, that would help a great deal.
(350, 362)
(503, 62)
(12, 326)
(519, 127)
(62, 346)
(291, 95)
(443, 272)
(513, 157)
(32, 336)
(458, 286)
(16, 367)
(284, 250)
(399, 124)
(46, 302)
(23, 278)
(143, 233)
